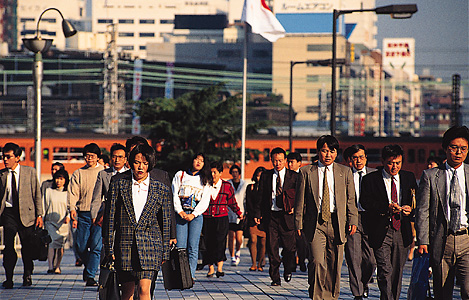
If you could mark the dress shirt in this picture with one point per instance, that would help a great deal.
(139, 195)
(387, 182)
(9, 202)
(122, 170)
(215, 189)
(330, 183)
(462, 185)
(356, 181)
(281, 173)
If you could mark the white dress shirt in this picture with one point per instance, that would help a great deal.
(462, 185)
(281, 173)
(387, 182)
(9, 202)
(356, 181)
(139, 195)
(330, 183)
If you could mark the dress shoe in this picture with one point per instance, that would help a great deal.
(27, 281)
(8, 284)
(210, 274)
(91, 282)
(275, 283)
(220, 274)
(365, 292)
(302, 267)
(78, 262)
(287, 277)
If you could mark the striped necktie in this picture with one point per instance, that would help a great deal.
(396, 220)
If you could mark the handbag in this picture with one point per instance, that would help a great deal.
(176, 270)
(419, 281)
(108, 285)
(40, 240)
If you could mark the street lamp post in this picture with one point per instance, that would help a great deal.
(39, 45)
(322, 63)
(397, 11)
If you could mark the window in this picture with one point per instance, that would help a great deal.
(312, 78)
(27, 20)
(266, 154)
(143, 47)
(228, 53)
(147, 34)
(48, 20)
(166, 21)
(319, 47)
(126, 34)
(411, 156)
(126, 21)
(421, 155)
(128, 48)
(147, 21)
(104, 21)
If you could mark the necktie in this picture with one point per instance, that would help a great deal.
(14, 191)
(326, 205)
(278, 193)
(455, 204)
(360, 177)
(396, 222)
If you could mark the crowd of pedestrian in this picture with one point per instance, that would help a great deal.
(131, 212)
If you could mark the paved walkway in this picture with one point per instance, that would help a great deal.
(238, 283)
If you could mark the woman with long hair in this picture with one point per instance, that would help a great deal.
(191, 196)
(257, 239)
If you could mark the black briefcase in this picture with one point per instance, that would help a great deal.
(176, 271)
(108, 287)
(40, 240)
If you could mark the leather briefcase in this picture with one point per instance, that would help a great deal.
(176, 271)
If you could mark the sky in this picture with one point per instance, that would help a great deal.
(441, 32)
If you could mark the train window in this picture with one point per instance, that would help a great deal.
(441, 153)
(76, 154)
(421, 155)
(411, 156)
(60, 154)
(266, 154)
(373, 155)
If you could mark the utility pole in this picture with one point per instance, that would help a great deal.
(110, 85)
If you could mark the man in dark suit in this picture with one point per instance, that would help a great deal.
(441, 217)
(387, 195)
(275, 214)
(326, 211)
(21, 211)
(358, 253)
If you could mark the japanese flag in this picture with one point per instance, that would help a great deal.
(262, 20)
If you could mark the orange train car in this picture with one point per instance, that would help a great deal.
(67, 149)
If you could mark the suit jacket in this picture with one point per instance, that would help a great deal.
(151, 241)
(263, 209)
(29, 193)
(431, 216)
(374, 199)
(100, 188)
(307, 200)
(163, 177)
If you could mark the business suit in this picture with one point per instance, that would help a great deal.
(143, 236)
(358, 253)
(20, 219)
(432, 226)
(279, 225)
(390, 245)
(324, 273)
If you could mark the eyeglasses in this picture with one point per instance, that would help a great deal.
(361, 157)
(118, 157)
(454, 149)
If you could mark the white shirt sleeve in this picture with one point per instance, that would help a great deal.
(203, 203)
(175, 187)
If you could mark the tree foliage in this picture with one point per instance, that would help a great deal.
(202, 121)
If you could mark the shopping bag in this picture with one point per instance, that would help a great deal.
(40, 240)
(176, 270)
(108, 286)
(419, 283)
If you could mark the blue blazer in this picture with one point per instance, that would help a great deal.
(122, 232)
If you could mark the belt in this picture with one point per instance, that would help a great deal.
(461, 232)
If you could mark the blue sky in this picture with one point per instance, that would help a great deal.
(441, 32)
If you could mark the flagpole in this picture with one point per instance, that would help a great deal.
(243, 126)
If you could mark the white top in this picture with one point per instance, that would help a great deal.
(215, 189)
(240, 195)
(330, 183)
(356, 181)
(139, 195)
(281, 173)
(462, 185)
(185, 185)
(387, 183)
(9, 202)
(122, 170)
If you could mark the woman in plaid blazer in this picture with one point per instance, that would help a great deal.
(132, 234)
